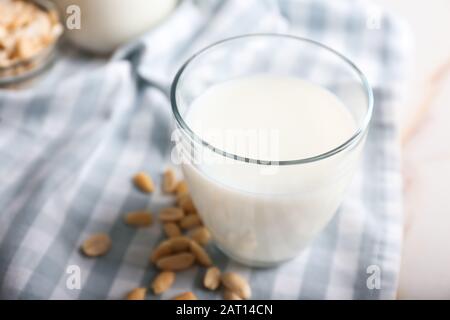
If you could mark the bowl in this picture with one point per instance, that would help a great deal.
(21, 70)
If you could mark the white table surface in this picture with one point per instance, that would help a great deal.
(425, 270)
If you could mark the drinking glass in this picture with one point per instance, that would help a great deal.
(290, 201)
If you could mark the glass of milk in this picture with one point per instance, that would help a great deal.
(269, 132)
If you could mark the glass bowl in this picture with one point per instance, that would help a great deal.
(19, 72)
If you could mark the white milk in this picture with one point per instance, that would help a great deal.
(259, 214)
(107, 24)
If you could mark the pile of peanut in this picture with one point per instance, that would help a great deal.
(25, 31)
(183, 248)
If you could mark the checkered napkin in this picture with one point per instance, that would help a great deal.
(69, 146)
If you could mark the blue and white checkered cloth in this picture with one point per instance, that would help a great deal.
(69, 145)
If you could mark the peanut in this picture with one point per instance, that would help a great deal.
(171, 214)
(169, 183)
(179, 244)
(162, 250)
(185, 202)
(170, 246)
(237, 284)
(185, 296)
(201, 235)
(172, 230)
(181, 188)
(176, 262)
(144, 182)
(200, 254)
(137, 294)
(163, 282)
(230, 295)
(190, 221)
(140, 218)
(211, 280)
(96, 245)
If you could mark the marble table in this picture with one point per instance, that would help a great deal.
(425, 120)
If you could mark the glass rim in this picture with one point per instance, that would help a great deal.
(354, 139)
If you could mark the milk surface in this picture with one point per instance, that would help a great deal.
(261, 214)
